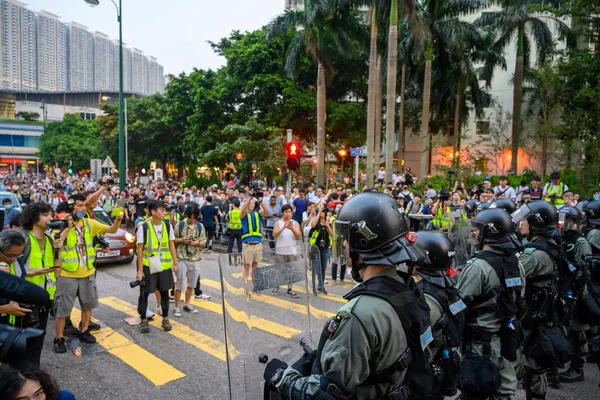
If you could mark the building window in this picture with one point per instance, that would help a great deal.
(483, 128)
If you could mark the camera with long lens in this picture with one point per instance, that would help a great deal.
(110, 181)
(56, 224)
(31, 319)
(137, 283)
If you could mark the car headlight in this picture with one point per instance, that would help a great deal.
(129, 237)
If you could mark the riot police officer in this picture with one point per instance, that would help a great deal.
(547, 275)
(471, 208)
(592, 215)
(437, 278)
(577, 248)
(371, 348)
(506, 204)
(491, 286)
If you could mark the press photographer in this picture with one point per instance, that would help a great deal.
(77, 278)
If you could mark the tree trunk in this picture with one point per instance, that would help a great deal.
(401, 127)
(371, 101)
(456, 149)
(378, 114)
(423, 168)
(321, 120)
(392, 76)
(517, 100)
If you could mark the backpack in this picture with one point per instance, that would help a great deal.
(559, 256)
(408, 179)
(198, 226)
(453, 319)
(409, 303)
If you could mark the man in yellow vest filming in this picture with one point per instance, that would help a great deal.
(77, 277)
(156, 262)
(41, 262)
(554, 190)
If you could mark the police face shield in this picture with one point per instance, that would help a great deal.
(568, 222)
(341, 234)
(521, 214)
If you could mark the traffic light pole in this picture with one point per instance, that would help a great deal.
(356, 172)
(288, 184)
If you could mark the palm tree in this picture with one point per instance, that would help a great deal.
(443, 26)
(520, 18)
(372, 96)
(322, 27)
(464, 78)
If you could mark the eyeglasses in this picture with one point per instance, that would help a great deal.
(11, 255)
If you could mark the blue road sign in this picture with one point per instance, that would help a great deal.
(356, 152)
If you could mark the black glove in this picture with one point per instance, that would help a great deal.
(272, 367)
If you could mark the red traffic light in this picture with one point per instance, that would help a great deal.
(239, 156)
(294, 155)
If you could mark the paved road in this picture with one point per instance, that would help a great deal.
(189, 362)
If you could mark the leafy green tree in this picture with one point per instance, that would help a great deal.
(72, 140)
(323, 28)
(514, 19)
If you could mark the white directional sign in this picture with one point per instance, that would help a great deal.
(108, 163)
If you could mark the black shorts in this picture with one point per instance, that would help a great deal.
(162, 281)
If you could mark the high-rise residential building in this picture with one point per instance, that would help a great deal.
(51, 52)
(18, 46)
(39, 52)
(101, 61)
(294, 5)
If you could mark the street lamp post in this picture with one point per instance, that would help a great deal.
(122, 176)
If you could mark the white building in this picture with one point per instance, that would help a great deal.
(18, 46)
(101, 61)
(52, 36)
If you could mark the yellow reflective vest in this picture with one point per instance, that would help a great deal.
(558, 201)
(70, 257)
(439, 220)
(152, 247)
(235, 222)
(37, 261)
(252, 227)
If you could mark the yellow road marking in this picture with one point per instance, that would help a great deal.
(274, 301)
(188, 335)
(328, 296)
(250, 320)
(151, 367)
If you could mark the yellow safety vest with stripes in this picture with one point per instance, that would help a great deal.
(558, 201)
(39, 260)
(253, 227)
(151, 247)
(315, 234)
(70, 257)
(440, 221)
(235, 222)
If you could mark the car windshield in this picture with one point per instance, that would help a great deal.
(102, 216)
(12, 198)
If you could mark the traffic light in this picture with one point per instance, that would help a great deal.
(70, 170)
(294, 155)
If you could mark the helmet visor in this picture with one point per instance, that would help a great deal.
(521, 214)
(341, 234)
(568, 222)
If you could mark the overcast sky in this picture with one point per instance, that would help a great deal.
(174, 31)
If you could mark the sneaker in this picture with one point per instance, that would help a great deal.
(334, 283)
(158, 310)
(190, 309)
(177, 312)
(166, 325)
(92, 326)
(70, 330)
(322, 289)
(275, 290)
(60, 345)
(572, 375)
(202, 297)
(293, 294)
(87, 337)
(144, 327)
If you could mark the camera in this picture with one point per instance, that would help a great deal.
(56, 224)
(32, 319)
(101, 241)
(135, 284)
(444, 196)
(169, 207)
(109, 181)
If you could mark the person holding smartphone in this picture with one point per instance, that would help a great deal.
(286, 231)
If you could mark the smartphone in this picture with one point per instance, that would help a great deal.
(117, 212)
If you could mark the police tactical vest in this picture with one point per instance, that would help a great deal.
(507, 294)
(453, 320)
(558, 255)
(409, 303)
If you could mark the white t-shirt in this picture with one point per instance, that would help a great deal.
(286, 241)
(508, 191)
(380, 174)
(158, 229)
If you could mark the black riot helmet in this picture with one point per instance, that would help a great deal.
(439, 250)
(370, 226)
(496, 229)
(471, 207)
(592, 212)
(569, 219)
(541, 216)
(482, 206)
(506, 204)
